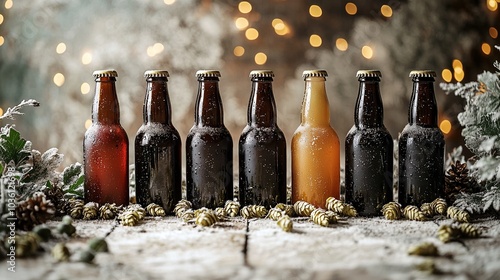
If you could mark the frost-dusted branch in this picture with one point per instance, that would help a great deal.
(11, 112)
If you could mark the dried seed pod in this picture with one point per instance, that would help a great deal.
(427, 209)
(220, 213)
(187, 215)
(98, 244)
(275, 213)
(319, 217)
(302, 208)
(108, 211)
(349, 210)
(333, 218)
(90, 211)
(60, 252)
(392, 211)
(26, 245)
(206, 219)
(447, 233)
(154, 209)
(253, 211)
(232, 208)
(411, 212)
(75, 208)
(287, 208)
(182, 206)
(43, 232)
(424, 249)
(458, 215)
(285, 223)
(64, 228)
(334, 205)
(197, 212)
(137, 208)
(439, 206)
(469, 230)
(129, 218)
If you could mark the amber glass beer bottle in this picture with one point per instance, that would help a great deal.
(209, 148)
(421, 145)
(157, 147)
(105, 146)
(262, 147)
(315, 146)
(368, 150)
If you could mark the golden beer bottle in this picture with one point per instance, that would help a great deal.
(315, 146)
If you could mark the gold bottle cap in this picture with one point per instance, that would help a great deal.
(422, 73)
(105, 73)
(261, 74)
(368, 74)
(207, 73)
(314, 73)
(156, 73)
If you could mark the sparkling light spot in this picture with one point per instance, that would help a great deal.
(85, 88)
(86, 58)
(445, 126)
(260, 58)
(1, 18)
(276, 21)
(367, 52)
(447, 75)
(459, 75)
(244, 7)
(315, 11)
(61, 48)
(341, 44)
(59, 79)
(493, 32)
(456, 64)
(239, 51)
(492, 5)
(241, 23)
(351, 8)
(386, 11)
(8, 4)
(315, 40)
(251, 34)
(2, 40)
(88, 123)
(486, 48)
(169, 2)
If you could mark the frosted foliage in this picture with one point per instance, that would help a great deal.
(117, 34)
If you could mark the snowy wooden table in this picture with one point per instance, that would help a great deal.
(359, 248)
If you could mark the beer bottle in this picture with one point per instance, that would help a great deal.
(368, 150)
(209, 148)
(262, 147)
(315, 146)
(105, 146)
(421, 145)
(157, 147)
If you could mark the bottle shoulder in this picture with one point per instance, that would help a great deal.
(262, 134)
(420, 133)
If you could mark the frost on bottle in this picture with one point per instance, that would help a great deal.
(157, 147)
(209, 148)
(262, 147)
(368, 150)
(105, 146)
(421, 145)
(315, 146)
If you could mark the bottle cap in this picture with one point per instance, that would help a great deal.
(261, 74)
(105, 73)
(314, 73)
(156, 73)
(207, 73)
(368, 73)
(422, 73)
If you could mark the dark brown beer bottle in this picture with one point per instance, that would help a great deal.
(105, 146)
(421, 145)
(209, 148)
(157, 147)
(368, 150)
(262, 147)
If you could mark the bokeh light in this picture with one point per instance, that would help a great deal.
(341, 44)
(445, 126)
(386, 11)
(351, 8)
(88, 123)
(169, 2)
(85, 88)
(260, 58)
(492, 5)
(315, 40)
(59, 79)
(2, 40)
(86, 58)
(486, 48)
(367, 52)
(244, 7)
(61, 48)
(241, 23)
(446, 75)
(239, 51)
(315, 11)
(493, 32)
(1, 18)
(251, 34)
(8, 4)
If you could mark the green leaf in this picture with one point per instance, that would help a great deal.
(71, 173)
(13, 147)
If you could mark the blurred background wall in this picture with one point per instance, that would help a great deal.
(49, 49)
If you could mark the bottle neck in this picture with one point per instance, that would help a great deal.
(105, 108)
(315, 106)
(423, 107)
(262, 107)
(157, 103)
(369, 112)
(208, 111)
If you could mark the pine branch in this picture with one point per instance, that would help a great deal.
(11, 112)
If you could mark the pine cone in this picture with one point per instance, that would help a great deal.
(456, 181)
(34, 211)
(56, 196)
